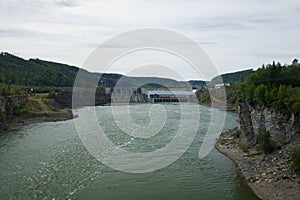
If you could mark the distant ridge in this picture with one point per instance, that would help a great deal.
(233, 77)
(35, 72)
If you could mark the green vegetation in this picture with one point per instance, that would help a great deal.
(35, 72)
(265, 143)
(42, 105)
(12, 90)
(273, 86)
(203, 96)
(232, 77)
(19, 76)
(51, 95)
(19, 110)
(243, 147)
(295, 158)
(39, 106)
(2, 116)
(196, 83)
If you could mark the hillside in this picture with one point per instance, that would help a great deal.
(232, 77)
(198, 84)
(39, 73)
(35, 72)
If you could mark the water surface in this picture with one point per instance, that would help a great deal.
(49, 161)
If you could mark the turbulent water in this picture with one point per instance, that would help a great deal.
(49, 161)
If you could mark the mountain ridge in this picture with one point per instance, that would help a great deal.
(35, 72)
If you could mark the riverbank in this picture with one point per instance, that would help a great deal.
(222, 106)
(269, 176)
(39, 108)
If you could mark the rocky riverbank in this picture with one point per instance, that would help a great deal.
(269, 176)
(18, 122)
(36, 108)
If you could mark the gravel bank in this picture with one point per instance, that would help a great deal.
(269, 176)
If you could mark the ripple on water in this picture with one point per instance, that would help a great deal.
(48, 161)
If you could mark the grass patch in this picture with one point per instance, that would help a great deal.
(33, 106)
(19, 110)
(48, 102)
(224, 141)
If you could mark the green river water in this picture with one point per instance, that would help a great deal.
(49, 161)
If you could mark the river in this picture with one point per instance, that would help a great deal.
(49, 161)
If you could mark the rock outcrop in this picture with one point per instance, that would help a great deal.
(247, 136)
(270, 176)
(7, 108)
(8, 104)
(282, 127)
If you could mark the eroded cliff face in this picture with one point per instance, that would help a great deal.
(283, 127)
(7, 106)
(247, 136)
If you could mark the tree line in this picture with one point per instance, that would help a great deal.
(272, 85)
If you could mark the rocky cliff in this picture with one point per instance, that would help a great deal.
(269, 174)
(248, 136)
(8, 104)
(7, 108)
(254, 120)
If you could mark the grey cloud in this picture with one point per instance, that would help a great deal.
(232, 23)
(29, 33)
(279, 54)
(16, 33)
(236, 33)
(67, 3)
(217, 25)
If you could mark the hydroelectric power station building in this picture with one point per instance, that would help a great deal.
(170, 96)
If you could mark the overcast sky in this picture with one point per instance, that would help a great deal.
(235, 34)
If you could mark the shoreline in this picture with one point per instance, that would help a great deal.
(36, 108)
(28, 118)
(220, 106)
(269, 176)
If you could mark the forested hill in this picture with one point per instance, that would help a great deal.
(232, 77)
(35, 72)
(273, 85)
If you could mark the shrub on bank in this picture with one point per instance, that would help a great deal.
(295, 158)
(19, 110)
(52, 95)
(265, 143)
(244, 148)
(2, 116)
